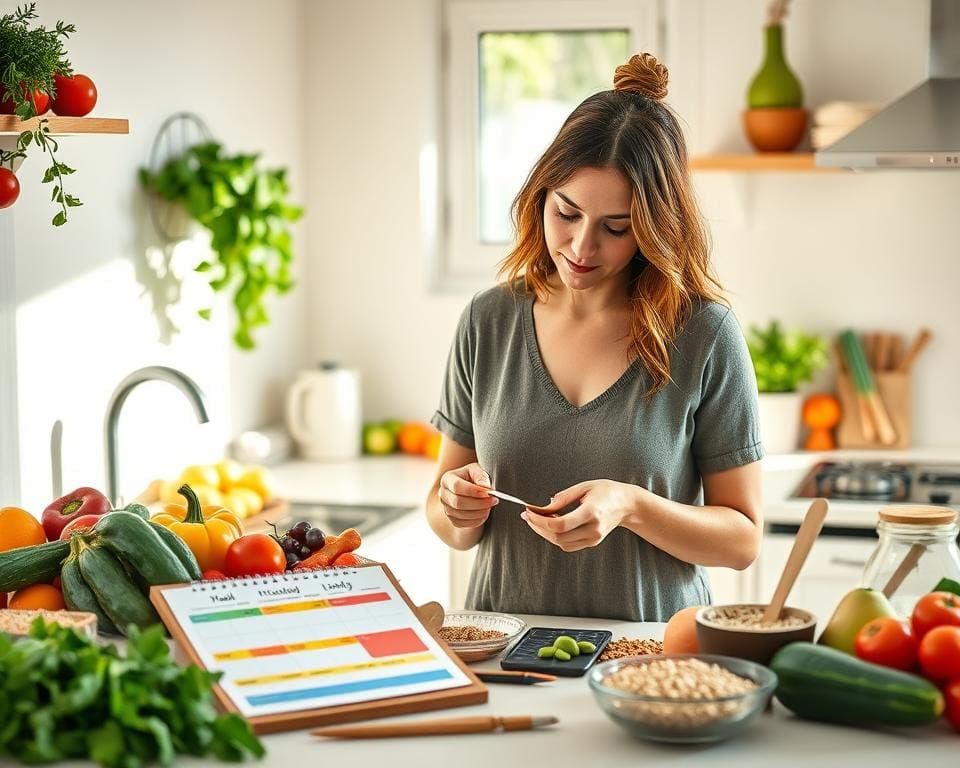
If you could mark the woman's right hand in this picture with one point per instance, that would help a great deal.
(461, 494)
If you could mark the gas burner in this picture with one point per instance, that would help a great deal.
(875, 481)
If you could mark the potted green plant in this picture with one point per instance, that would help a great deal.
(30, 57)
(782, 360)
(247, 212)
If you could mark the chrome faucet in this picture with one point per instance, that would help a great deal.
(151, 373)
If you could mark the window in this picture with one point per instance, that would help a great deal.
(514, 70)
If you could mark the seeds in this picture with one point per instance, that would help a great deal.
(681, 679)
(466, 633)
(749, 617)
(617, 649)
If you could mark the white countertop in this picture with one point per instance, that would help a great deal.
(585, 737)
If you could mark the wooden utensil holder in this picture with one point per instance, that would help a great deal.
(895, 391)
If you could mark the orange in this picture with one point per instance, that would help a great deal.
(18, 528)
(680, 634)
(412, 437)
(821, 411)
(432, 448)
(44, 596)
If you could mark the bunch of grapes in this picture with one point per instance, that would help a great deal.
(301, 541)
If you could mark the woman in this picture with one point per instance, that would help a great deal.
(606, 374)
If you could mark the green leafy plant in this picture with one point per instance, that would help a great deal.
(781, 359)
(246, 210)
(29, 58)
(63, 697)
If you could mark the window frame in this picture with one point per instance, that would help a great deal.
(463, 262)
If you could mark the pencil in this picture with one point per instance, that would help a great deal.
(517, 678)
(451, 725)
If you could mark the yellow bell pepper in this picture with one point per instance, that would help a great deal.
(208, 531)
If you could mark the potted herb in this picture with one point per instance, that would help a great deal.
(246, 210)
(782, 361)
(30, 58)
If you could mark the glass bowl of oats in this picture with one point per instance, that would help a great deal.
(738, 630)
(479, 635)
(681, 697)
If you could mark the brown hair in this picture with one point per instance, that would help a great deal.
(632, 130)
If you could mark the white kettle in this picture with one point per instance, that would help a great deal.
(323, 413)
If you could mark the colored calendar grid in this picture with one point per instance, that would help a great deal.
(392, 642)
(362, 685)
(303, 605)
(342, 669)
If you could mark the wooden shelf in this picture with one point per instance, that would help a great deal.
(790, 162)
(62, 125)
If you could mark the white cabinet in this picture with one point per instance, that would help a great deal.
(731, 586)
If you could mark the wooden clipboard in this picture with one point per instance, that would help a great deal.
(474, 693)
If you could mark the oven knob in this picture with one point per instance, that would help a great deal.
(939, 497)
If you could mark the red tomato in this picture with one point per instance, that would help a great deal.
(76, 96)
(940, 654)
(952, 694)
(211, 574)
(255, 553)
(9, 188)
(39, 98)
(84, 523)
(888, 642)
(935, 609)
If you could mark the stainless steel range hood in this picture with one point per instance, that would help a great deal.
(922, 128)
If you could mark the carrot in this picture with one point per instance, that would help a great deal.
(346, 560)
(333, 547)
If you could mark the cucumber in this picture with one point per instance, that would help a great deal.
(180, 549)
(132, 539)
(822, 683)
(24, 566)
(79, 597)
(116, 594)
(137, 509)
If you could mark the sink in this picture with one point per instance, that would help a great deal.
(334, 518)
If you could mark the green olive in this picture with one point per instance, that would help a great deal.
(546, 652)
(561, 655)
(586, 646)
(567, 644)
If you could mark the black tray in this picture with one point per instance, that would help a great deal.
(524, 653)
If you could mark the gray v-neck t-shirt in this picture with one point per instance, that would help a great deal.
(499, 400)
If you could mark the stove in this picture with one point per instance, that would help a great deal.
(883, 481)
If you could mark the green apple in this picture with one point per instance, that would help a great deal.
(394, 425)
(855, 609)
(379, 440)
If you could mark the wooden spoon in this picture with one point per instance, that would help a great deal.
(809, 530)
(431, 614)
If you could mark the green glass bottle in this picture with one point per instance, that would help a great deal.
(774, 85)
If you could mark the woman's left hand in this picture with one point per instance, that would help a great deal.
(603, 506)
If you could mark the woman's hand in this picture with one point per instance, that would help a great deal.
(465, 504)
(603, 506)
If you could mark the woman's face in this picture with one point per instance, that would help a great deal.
(587, 227)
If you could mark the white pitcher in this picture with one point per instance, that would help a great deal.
(324, 413)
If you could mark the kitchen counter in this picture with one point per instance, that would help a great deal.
(585, 737)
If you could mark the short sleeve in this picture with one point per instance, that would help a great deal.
(454, 417)
(726, 422)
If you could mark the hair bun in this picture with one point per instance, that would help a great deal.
(643, 74)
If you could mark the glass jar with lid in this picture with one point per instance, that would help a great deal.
(917, 548)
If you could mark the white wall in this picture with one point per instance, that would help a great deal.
(871, 250)
(84, 317)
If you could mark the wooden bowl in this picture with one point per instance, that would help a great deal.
(755, 642)
(775, 129)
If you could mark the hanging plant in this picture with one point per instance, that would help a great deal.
(29, 60)
(247, 212)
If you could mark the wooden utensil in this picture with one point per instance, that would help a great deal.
(919, 343)
(896, 350)
(908, 563)
(431, 614)
(866, 389)
(448, 725)
(882, 350)
(806, 535)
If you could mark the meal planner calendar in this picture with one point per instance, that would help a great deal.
(311, 639)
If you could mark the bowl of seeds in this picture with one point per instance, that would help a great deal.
(479, 635)
(681, 697)
(739, 630)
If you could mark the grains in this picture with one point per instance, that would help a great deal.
(466, 634)
(749, 617)
(617, 649)
(684, 680)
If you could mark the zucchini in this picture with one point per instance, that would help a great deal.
(79, 597)
(24, 566)
(822, 683)
(133, 540)
(116, 594)
(180, 549)
(137, 509)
